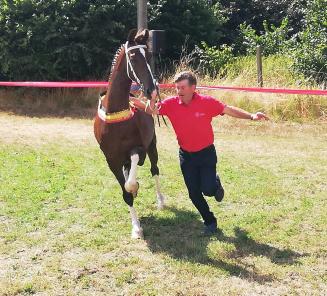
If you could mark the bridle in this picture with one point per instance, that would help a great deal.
(130, 68)
(128, 113)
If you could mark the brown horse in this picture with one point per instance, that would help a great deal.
(126, 136)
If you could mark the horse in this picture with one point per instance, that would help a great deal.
(124, 134)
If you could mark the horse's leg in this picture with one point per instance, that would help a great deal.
(131, 184)
(126, 169)
(153, 156)
(137, 231)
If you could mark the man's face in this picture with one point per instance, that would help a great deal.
(184, 89)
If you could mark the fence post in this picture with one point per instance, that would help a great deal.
(259, 65)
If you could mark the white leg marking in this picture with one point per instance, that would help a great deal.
(137, 231)
(125, 174)
(131, 184)
(160, 197)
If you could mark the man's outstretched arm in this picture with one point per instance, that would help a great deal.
(240, 113)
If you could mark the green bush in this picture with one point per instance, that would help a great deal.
(254, 13)
(213, 60)
(273, 40)
(310, 54)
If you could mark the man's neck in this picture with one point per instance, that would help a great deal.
(187, 100)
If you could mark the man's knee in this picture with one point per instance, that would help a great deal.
(209, 190)
(195, 194)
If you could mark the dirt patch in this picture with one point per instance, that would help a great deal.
(38, 131)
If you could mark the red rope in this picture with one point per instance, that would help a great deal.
(100, 84)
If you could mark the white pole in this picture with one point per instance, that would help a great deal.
(142, 15)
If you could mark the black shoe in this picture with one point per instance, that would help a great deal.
(220, 194)
(210, 229)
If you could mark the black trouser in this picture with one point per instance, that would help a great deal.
(199, 171)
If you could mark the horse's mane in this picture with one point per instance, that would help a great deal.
(114, 61)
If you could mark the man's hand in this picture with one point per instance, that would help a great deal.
(240, 113)
(148, 106)
(259, 116)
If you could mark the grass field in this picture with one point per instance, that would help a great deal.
(65, 230)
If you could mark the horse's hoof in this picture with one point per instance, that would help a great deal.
(137, 233)
(132, 187)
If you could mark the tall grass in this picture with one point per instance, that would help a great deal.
(49, 102)
(277, 73)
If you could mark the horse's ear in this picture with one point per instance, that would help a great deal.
(142, 36)
(131, 35)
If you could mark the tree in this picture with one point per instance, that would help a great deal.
(74, 39)
(255, 13)
(310, 54)
(188, 20)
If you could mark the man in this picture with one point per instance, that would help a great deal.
(191, 114)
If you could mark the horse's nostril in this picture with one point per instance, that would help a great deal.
(148, 91)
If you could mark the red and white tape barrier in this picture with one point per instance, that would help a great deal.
(100, 84)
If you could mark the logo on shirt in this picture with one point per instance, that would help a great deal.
(199, 114)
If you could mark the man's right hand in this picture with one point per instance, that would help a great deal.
(151, 107)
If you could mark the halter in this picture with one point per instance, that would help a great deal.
(130, 66)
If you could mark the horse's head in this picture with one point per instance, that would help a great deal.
(137, 57)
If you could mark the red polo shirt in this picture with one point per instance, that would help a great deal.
(192, 122)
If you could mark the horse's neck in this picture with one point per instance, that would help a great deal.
(119, 89)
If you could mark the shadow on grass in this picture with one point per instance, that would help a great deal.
(180, 237)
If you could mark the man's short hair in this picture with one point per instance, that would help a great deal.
(186, 75)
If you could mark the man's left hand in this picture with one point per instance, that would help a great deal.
(259, 116)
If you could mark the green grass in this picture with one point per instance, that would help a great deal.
(64, 228)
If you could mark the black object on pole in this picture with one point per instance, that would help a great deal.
(157, 43)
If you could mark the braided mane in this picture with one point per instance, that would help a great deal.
(114, 61)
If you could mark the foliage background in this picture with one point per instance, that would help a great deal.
(76, 39)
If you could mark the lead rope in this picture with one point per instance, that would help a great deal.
(158, 116)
